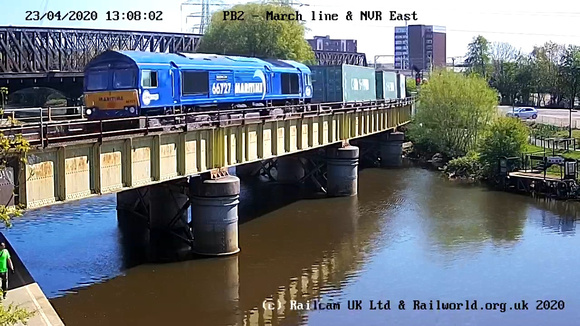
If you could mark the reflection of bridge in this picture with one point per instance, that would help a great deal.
(273, 265)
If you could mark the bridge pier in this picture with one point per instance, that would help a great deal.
(214, 215)
(133, 217)
(289, 170)
(342, 171)
(248, 170)
(391, 150)
(169, 230)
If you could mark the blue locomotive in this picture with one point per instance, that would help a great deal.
(131, 83)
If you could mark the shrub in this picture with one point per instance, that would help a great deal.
(504, 137)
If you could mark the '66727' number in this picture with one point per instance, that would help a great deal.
(221, 88)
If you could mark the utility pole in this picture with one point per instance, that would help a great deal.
(570, 121)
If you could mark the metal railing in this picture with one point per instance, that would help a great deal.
(20, 116)
(52, 131)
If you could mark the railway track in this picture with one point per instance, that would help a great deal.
(47, 129)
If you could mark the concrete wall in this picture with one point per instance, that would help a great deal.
(78, 171)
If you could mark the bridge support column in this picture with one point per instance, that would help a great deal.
(214, 216)
(248, 170)
(133, 217)
(392, 150)
(169, 231)
(289, 169)
(342, 171)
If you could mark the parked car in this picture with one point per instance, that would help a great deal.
(524, 113)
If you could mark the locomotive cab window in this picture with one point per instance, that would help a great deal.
(97, 80)
(149, 79)
(195, 83)
(290, 83)
(123, 78)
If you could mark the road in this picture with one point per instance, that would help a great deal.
(556, 117)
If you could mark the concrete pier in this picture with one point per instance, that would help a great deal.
(289, 169)
(391, 150)
(342, 171)
(214, 215)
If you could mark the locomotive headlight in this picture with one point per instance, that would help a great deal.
(132, 110)
(88, 112)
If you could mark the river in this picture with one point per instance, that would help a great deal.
(408, 235)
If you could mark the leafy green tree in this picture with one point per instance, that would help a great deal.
(411, 86)
(504, 137)
(255, 36)
(503, 59)
(524, 79)
(570, 72)
(452, 113)
(546, 60)
(478, 57)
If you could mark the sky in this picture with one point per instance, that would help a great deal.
(523, 24)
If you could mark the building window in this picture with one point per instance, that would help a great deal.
(319, 44)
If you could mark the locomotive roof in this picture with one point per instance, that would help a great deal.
(183, 60)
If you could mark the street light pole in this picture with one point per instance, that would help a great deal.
(570, 124)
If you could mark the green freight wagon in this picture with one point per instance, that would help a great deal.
(386, 85)
(343, 83)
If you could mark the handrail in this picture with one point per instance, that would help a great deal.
(44, 132)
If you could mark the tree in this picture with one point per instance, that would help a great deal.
(503, 59)
(504, 137)
(546, 60)
(478, 57)
(255, 36)
(453, 110)
(570, 72)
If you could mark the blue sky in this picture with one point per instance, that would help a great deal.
(521, 23)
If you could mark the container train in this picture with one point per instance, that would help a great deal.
(130, 83)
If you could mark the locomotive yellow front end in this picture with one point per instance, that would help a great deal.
(111, 104)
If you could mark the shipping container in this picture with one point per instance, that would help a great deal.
(387, 85)
(343, 83)
(402, 86)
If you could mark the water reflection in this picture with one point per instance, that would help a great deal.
(407, 235)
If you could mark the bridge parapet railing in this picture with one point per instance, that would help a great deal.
(20, 116)
(58, 129)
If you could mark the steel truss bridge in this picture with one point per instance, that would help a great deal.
(328, 58)
(34, 52)
(38, 52)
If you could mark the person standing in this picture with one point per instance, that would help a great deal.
(5, 262)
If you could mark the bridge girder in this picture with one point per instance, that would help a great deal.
(338, 58)
(43, 50)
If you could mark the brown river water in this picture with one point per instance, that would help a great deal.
(408, 237)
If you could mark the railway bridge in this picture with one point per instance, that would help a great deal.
(173, 167)
(56, 57)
